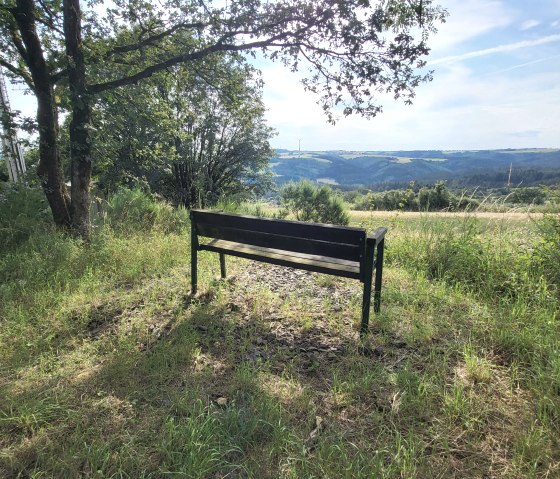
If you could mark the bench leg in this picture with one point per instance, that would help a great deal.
(378, 277)
(194, 258)
(223, 265)
(366, 301)
(368, 273)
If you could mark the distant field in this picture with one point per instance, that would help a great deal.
(359, 216)
(327, 181)
(304, 157)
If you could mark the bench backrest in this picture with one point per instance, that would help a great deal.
(312, 238)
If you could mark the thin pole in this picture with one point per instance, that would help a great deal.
(11, 149)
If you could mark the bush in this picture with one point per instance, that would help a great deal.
(308, 202)
(436, 198)
(135, 210)
(527, 196)
(22, 211)
(428, 198)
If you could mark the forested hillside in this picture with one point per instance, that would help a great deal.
(462, 168)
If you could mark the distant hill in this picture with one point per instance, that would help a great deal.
(461, 168)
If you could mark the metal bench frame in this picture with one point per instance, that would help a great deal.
(335, 250)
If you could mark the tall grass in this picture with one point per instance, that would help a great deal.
(44, 272)
(109, 369)
(514, 272)
(134, 210)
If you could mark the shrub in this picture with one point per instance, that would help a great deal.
(529, 196)
(308, 202)
(135, 210)
(22, 211)
(436, 198)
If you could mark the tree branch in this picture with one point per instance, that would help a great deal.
(59, 75)
(18, 72)
(18, 42)
(154, 38)
(198, 55)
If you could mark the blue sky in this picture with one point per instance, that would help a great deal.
(496, 85)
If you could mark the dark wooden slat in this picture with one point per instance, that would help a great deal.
(300, 245)
(378, 234)
(298, 229)
(324, 259)
(284, 258)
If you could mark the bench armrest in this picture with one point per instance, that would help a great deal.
(377, 235)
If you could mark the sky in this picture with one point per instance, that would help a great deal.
(496, 85)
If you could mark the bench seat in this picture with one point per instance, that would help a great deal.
(309, 262)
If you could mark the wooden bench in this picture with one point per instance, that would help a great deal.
(335, 250)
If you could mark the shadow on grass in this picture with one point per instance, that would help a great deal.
(223, 387)
(206, 390)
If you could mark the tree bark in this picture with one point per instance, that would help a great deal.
(80, 124)
(50, 169)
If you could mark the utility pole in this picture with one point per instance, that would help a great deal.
(509, 176)
(11, 149)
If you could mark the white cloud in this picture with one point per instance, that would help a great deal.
(528, 24)
(525, 64)
(469, 19)
(460, 109)
(509, 47)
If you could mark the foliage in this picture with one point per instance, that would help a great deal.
(212, 136)
(527, 196)
(133, 210)
(309, 202)
(547, 252)
(458, 253)
(4, 177)
(427, 198)
(435, 198)
(22, 211)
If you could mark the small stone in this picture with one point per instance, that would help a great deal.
(221, 401)
(234, 308)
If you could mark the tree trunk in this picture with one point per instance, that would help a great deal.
(80, 124)
(50, 166)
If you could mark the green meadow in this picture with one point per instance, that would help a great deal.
(109, 369)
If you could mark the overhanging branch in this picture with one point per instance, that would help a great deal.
(154, 38)
(188, 57)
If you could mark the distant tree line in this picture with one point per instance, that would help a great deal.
(439, 197)
(482, 180)
(498, 179)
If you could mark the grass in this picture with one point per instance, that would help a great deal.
(109, 369)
